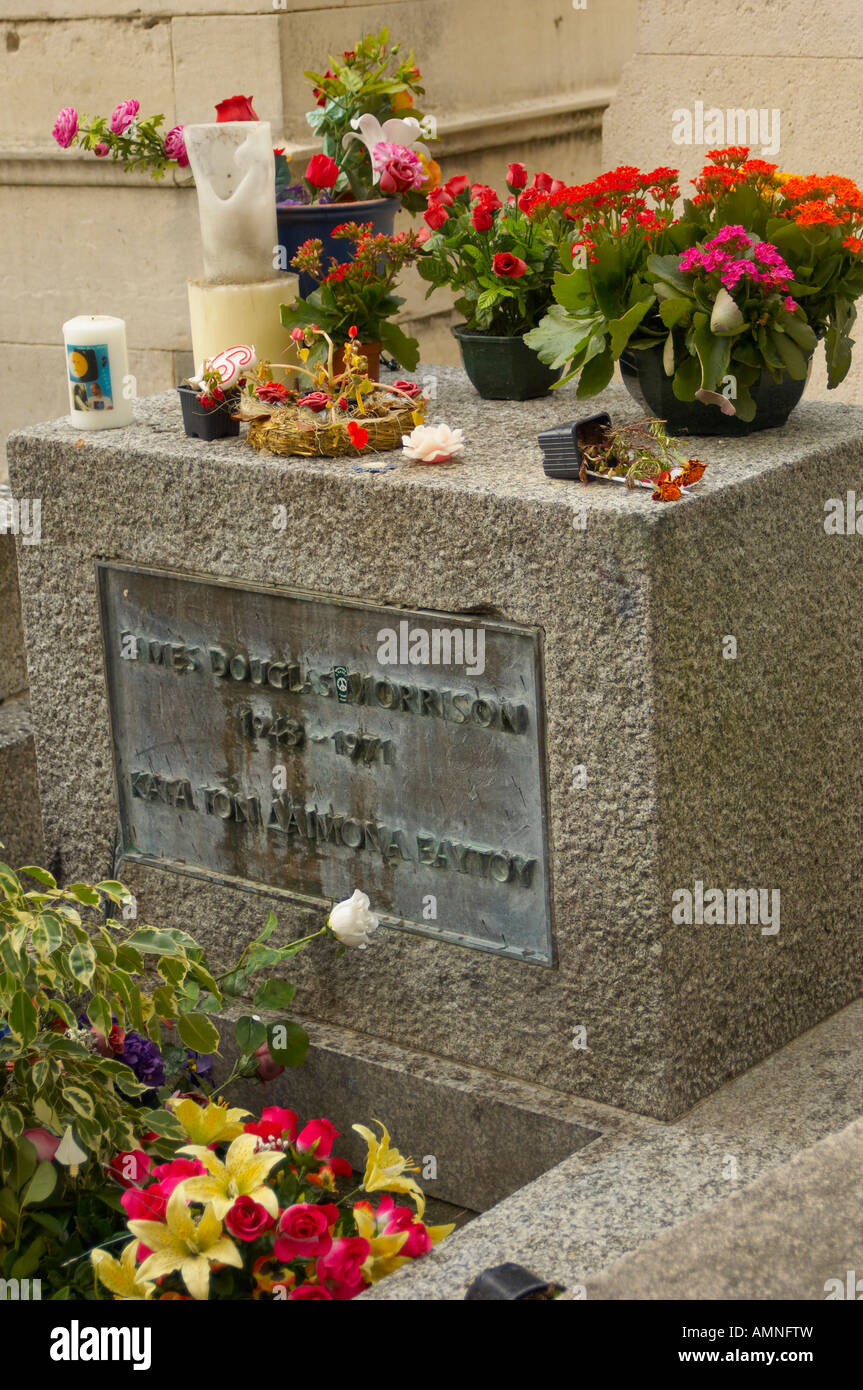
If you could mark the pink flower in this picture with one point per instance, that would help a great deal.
(174, 146)
(789, 304)
(304, 1231)
(298, 334)
(400, 168)
(320, 1132)
(170, 1175)
(310, 1292)
(123, 115)
(268, 1067)
(340, 1268)
(315, 400)
(66, 127)
(130, 1169)
(45, 1143)
(410, 388)
(100, 149)
(273, 1124)
(144, 1204)
(247, 1219)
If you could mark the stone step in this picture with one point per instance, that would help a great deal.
(794, 1233)
(20, 819)
(13, 667)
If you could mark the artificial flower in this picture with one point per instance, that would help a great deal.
(181, 1243)
(275, 1123)
(435, 215)
(69, 1153)
(208, 1124)
(315, 400)
(386, 1168)
(317, 1136)
(122, 1277)
(340, 1270)
(508, 266)
(309, 1292)
(352, 922)
(321, 171)
(305, 1231)
(243, 1174)
(516, 176)
(170, 1175)
(358, 436)
(123, 115)
(130, 1169)
(247, 1219)
(66, 127)
(370, 132)
(174, 145)
(271, 392)
(145, 1204)
(45, 1143)
(235, 109)
(432, 443)
(268, 1067)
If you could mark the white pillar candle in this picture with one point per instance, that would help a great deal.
(97, 369)
(222, 315)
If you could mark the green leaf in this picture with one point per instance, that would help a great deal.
(668, 355)
(687, 379)
(802, 334)
(117, 892)
(24, 1163)
(83, 893)
(153, 941)
(40, 875)
(793, 360)
(198, 1032)
(82, 962)
(80, 1101)
(573, 291)
(675, 310)
(10, 882)
(621, 329)
(23, 1018)
(249, 1034)
(28, 1263)
(596, 375)
(726, 318)
(99, 1014)
(165, 1124)
(275, 994)
(405, 350)
(714, 354)
(11, 1120)
(172, 970)
(559, 335)
(666, 268)
(288, 1043)
(164, 1002)
(41, 1185)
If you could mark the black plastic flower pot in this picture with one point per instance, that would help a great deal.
(199, 423)
(503, 369)
(645, 379)
(510, 1283)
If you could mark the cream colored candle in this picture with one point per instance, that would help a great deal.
(97, 369)
(222, 315)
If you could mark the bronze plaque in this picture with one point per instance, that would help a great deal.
(312, 745)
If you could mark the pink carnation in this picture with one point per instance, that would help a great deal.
(66, 127)
(123, 115)
(175, 146)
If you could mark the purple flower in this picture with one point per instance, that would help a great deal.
(175, 146)
(200, 1065)
(123, 115)
(66, 127)
(145, 1059)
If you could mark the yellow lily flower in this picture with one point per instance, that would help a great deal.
(386, 1168)
(243, 1174)
(181, 1243)
(384, 1250)
(208, 1124)
(122, 1277)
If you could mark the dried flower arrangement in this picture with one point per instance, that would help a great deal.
(640, 455)
(343, 412)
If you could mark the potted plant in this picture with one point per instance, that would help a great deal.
(208, 410)
(713, 315)
(340, 411)
(501, 260)
(374, 149)
(357, 294)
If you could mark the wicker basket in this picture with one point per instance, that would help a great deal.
(280, 433)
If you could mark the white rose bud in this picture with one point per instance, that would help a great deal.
(352, 922)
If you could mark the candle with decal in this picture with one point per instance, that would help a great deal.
(97, 369)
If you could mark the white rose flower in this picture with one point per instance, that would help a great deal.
(352, 922)
(432, 443)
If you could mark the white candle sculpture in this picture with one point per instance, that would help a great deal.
(97, 369)
(238, 300)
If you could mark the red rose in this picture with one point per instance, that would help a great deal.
(340, 1267)
(274, 1122)
(508, 266)
(516, 176)
(435, 215)
(320, 1132)
(271, 391)
(321, 171)
(235, 109)
(130, 1169)
(457, 184)
(315, 400)
(481, 219)
(485, 196)
(304, 1231)
(247, 1219)
(410, 388)
(542, 182)
(310, 1291)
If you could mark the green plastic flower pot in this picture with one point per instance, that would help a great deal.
(503, 369)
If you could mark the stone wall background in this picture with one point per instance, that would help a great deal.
(507, 81)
